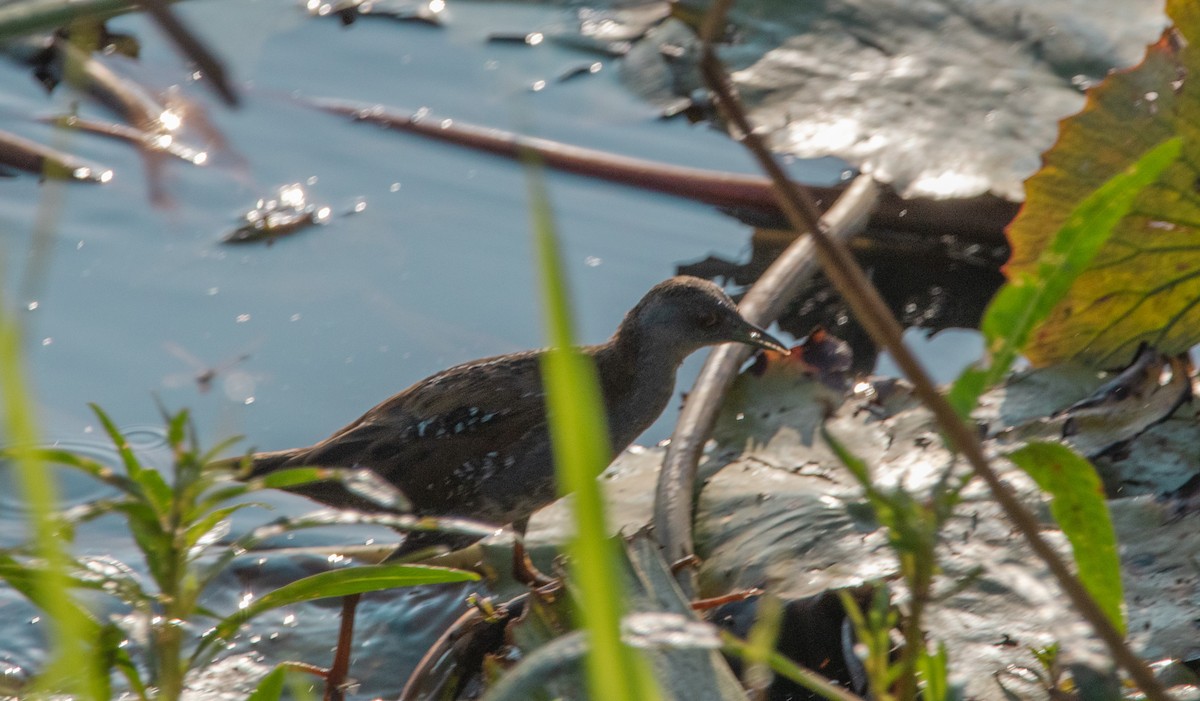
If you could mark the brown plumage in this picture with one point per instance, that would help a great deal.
(473, 441)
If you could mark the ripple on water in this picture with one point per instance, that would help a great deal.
(149, 444)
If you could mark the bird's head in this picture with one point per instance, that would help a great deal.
(687, 313)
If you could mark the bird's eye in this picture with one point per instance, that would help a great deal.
(710, 320)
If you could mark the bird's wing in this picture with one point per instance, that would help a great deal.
(444, 430)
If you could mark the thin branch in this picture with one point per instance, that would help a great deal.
(762, 305)
(193, 48)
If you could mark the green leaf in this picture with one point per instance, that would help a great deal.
(132, 466)
(579, 438)
(148, 534)
(74, 665)
(223, 494)
(788, 669)
(291, 477)
(26, 580)
(177, 430)
(1078, 505)
(271, 686)
(1143, 284)
(97, 470)
(117, 657)
(33, 16)
(209, 458)
(933, 668)
(155, 490)
(761, 643)
(342, 582)
(1032, 294)
(203, 526)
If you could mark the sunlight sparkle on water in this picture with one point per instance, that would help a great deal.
(951, 184)
(292, 195)
(170, 121)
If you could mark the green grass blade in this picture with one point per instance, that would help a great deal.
(788, 669)
(271, 686)
(341, 582)
(760, 643)
(95, 469)
(205, 524)
(582, 450)
(33, 16)
(1026, 301)
(75, 661)
(1078, 505)
(132, 465)
(934, 670)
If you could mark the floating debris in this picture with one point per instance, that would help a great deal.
(164, 143)
(581, 70)
(348, 11)
(529, 38)
(283, 215)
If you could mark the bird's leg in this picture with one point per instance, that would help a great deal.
(335, 680)
(523, 569)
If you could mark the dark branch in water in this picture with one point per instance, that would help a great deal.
(209, 65)
(981, 218)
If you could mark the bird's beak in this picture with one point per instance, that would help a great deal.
(754, 336)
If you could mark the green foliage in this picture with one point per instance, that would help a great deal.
(787, 669)
(271, 686)
(31, 16)
(1142, 285)
(873, 629)
(933, 669)
(761, 643)
(581, 451)
(177, 522)
(1078, 505)
(913, 528)
(77, 664)
(343, 582)
(1030, 296)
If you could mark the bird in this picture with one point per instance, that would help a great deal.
(473, 441)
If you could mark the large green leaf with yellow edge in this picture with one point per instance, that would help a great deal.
(1144, 283)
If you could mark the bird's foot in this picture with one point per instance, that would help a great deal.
(525, 572)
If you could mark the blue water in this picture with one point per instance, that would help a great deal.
(126, 301)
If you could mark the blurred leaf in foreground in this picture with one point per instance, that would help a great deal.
(1078, 504)
(1143, 283)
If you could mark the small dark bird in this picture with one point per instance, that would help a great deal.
(473, 441)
